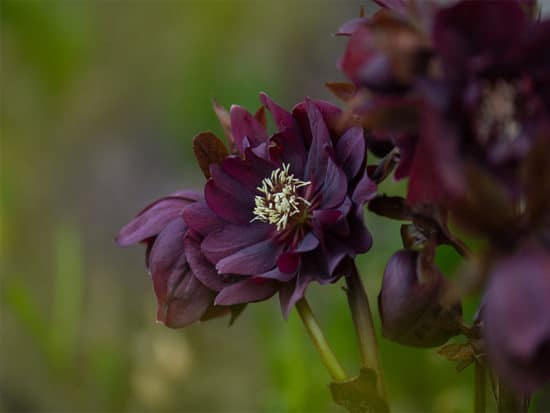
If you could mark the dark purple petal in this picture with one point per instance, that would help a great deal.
(167, 261)
(288, 262)
(325, 218)
(335, 186)
(201, 268)
(228, 198)
(309, 243)
(364, 191)
(318, 156)
(261, 150)
(151, 220)
(202, 219)
(407, 146)
(336, 251)
(278, 275)
(189, 303)
(249, 171)
(436, 172)
(475, 28)
(330, 114)
(253, 260)
(283, 119)
(360, 238)
(291, 292)
(232, 238)
(350, 151)
(249, 290)
(245, 125)
(288, 147)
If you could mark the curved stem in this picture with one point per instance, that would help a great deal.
(327, 355)
(364, 327)
(479, 400)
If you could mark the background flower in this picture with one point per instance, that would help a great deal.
(516, 322)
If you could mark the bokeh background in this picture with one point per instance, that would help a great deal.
(100, 101)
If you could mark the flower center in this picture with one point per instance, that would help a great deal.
(279, 199)
(497, 112)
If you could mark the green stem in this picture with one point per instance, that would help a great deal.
(508, 402)
(364, 327)
(327, 355)
(479, 400)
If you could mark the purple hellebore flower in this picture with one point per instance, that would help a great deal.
(387, 50)
(466, 85)
(289, 206)
(516, 318)
(184, 281)
(494, 95)
(416, 304)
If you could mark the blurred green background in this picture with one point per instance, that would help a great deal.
(100, 101)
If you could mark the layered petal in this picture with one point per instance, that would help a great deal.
(246, 291)
(153, 218)
(245, 126)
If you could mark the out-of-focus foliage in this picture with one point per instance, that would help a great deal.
(100, 101)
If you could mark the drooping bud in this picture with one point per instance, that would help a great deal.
(416, 303)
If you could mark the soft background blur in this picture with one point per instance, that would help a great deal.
(100, 101)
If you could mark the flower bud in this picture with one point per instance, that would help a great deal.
(416, 303)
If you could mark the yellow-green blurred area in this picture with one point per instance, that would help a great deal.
(100, 101)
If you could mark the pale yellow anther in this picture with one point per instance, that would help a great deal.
(279, 200)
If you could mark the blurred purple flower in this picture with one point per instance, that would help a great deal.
(184, 282)
(290, 205)
(388, 50)
(457, 88)
(493, 95)
(516, 318)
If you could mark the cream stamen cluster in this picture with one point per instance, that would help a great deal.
(279, 200)
(498, 110)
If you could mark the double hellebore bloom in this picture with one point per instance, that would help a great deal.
(289, 206)
(278, 212)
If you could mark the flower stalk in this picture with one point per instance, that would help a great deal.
(364, 327)
(330, 361)
(480, 391)
(507, 401)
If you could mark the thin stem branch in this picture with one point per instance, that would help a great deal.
(364, 327)
(314, 330)
(480, 391)
(508, 402)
